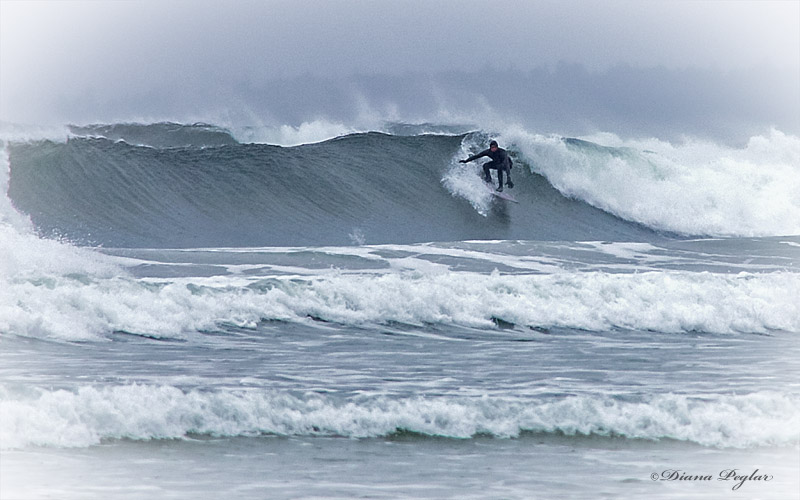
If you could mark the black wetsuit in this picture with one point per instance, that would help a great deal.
(500, 162)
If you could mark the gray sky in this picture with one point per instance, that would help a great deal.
(93, 61)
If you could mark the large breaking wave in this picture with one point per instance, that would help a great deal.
(191, 186)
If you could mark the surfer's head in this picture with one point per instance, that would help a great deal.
(493, 145)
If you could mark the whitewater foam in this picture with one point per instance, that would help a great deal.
(694, 188)
(89, 415)
(466, 180)
(70, 307)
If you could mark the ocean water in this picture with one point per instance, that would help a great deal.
(188, 311)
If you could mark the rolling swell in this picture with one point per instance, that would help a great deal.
(362, 188)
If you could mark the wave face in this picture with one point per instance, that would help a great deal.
(371, 187)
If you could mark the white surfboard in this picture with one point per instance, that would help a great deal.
(500, 194)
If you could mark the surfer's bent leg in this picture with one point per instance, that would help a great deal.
(487, 176)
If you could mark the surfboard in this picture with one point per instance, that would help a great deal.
(500, 194)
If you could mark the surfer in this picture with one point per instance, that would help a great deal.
(500, 162)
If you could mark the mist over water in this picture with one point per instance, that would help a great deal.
(721, 71)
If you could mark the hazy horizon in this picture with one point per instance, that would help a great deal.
(664, 68)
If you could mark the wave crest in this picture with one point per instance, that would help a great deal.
(89, 415)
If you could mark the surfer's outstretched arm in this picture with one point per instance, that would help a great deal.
(475, 157)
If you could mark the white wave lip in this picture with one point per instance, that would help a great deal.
(695, 188)
(89, 415)
(287, 135)
(81, 307)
